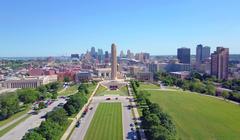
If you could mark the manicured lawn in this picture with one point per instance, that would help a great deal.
(113, 92)
(100, 89)
(70, 90)
(106, 123)
(148, 86)
(198, 117)
(103, 91)
(124, 89)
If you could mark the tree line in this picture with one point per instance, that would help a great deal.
(10, 103)
(57, 120)
(203, 84)
(157, 125)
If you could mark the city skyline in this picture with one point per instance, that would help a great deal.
(56, 28)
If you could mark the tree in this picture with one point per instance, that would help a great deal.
(33, 135)
(42, 89)
(54, 95)
(59, 116)
(225, 95)
(28, 95)
(66, 79)
(9, 104)
(77, 101)
(158, 132)
(211, 90)
(41, 105)
(137, 83)
(50, 130)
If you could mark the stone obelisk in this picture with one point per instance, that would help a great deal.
(114, 62)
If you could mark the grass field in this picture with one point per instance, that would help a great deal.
(106, 123)
(148, 86)
(103, 91)
(199, 117)
(70, 90)
(100, 89)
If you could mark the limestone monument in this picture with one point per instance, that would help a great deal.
(114, 62)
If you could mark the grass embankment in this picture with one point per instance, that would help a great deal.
(199, 117)
(23, 111)
(106, 123)
(15, 116)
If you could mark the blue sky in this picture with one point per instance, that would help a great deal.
(62, 27)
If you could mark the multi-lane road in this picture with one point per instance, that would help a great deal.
(33, 121)
(128, 120)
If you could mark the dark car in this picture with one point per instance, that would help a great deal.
(78, 124)
(61, 104)
(131, 125)
(108, 98)
(116, 98)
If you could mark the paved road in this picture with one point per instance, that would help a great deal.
(33, 121)
(80, 132)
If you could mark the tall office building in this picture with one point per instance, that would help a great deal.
(114, 62)
(219, 63)
(205, 53)
(183, 55)
(202, 53)
(199, 54)
(93, 52)
(106, 57)
(100, 55)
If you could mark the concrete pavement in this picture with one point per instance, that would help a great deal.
(33, 121)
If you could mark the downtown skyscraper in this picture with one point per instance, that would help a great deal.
(202, 53)
(219, 63)
(183, 55)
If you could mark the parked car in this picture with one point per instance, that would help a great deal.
(108, 98)
(61, 104)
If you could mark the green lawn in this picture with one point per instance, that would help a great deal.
(124, 89)
(148, 86)
(100, 89)
(103, 91)
(70, 90)
(200, 117)
(113, 92)
(106, 123)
